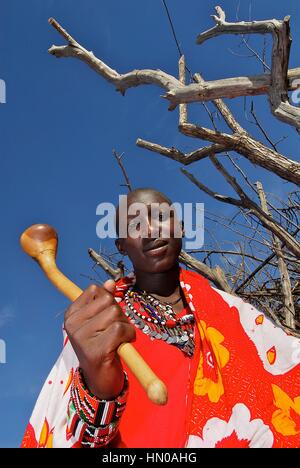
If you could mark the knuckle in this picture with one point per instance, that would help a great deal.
(122, 330)
(93, 289)
(67, 323)
(131, 332)
(115, 311)
(107, 299)
(118, 328)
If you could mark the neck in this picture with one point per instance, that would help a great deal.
(163, 284)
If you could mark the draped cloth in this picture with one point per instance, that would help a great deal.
(240, 389)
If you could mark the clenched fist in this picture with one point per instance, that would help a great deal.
(96, 326)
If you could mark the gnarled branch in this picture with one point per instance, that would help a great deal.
(114, 273)
(245, 202)
(286, 287)
(177, 93)
(252, 149)
(183, 158)
(280, 30)
(121, 81)
(216, 275)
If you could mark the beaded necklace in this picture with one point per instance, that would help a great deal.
(159, 321)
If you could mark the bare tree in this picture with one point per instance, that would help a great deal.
(261, 261)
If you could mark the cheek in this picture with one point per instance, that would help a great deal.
(134, 250)
(176, 246)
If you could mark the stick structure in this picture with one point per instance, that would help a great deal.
(40, 242)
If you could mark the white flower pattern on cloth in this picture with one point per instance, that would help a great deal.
(278, 351)
(239, 432)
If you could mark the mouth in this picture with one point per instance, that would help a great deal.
(156, 248)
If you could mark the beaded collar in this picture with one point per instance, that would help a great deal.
(159, 321)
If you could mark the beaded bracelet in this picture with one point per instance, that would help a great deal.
(89, 436)
(92, 410)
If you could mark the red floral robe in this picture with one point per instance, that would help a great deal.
(240, 389)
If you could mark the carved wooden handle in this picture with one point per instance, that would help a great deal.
(40, 242)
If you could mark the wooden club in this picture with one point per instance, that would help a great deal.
(40, 242)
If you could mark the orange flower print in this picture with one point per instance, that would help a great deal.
(271, 355)
(286, 419)
(260, 319)
(46, 436)
(213, 357)
(69, 381)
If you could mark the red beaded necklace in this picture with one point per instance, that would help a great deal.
(160, 321)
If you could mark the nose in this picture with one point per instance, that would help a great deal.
(153, 228)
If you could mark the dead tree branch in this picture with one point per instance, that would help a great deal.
(286, 287)
(118, 158)
(177, 93)
(245, 202)
(260, 267)
(280, 30)
(265, 285)
(216, 275)
(252, 149)
(114, 273)
(246, 145)
(182, 107)
(224, 252)
(176, 155)
(224, 110)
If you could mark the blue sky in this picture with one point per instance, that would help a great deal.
(59, 126)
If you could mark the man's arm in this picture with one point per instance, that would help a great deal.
(96, 326)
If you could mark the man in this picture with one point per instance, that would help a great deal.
(233, 378)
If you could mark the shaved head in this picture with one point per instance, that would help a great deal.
(139, 192)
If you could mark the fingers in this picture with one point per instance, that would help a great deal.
(92, 293)
(103, 316)
(110, 286)
(116, 334)
(96, 325)
(103, 334)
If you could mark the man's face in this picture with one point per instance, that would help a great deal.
(154, 234)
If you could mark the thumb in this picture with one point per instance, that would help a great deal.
(110, 286)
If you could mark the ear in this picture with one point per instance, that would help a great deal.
(120, 246)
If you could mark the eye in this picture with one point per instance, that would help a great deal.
(133, 224)
(165, 216)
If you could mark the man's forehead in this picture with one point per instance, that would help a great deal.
(147, 198)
